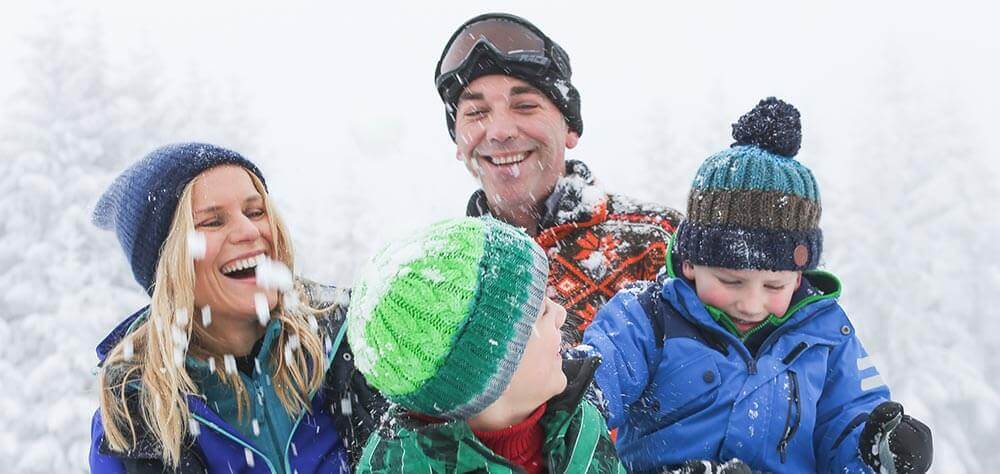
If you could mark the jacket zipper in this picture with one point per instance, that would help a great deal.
(229, 435)
(790, 426)
(298, 420)
(258, 391)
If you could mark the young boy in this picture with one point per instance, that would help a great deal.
(453, 326)
(740, 350)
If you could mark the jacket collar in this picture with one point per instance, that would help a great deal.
(579, 376)
(576, 198)
(119, 332)
(201, 372)
(816, 286)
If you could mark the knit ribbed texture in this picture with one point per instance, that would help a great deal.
(521, 444)
(438, 321)
(751, 207)
(140, 204)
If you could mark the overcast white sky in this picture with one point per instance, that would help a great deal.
(312, 69)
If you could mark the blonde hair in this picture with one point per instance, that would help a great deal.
(153, 355)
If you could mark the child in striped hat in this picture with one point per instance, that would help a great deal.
(453, 326)
(741, 349)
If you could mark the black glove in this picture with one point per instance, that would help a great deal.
(909, 447)
(734, 466)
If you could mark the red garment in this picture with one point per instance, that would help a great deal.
(520, 444)
(596, 242)
(590, 260)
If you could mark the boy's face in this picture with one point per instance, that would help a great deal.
(747, 296)
(539, 376)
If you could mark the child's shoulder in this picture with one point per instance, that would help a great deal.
(403, 435)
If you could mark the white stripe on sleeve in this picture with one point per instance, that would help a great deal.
(869, 383)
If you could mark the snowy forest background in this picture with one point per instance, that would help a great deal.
(338, 108)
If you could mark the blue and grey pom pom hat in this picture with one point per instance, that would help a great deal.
(753, 206)
(140, 204)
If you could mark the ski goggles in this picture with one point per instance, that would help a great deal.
(508, 41)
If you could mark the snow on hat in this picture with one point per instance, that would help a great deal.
(139, 205)
(753, 206)
(438, 321)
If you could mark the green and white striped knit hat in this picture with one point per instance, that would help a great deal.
(438, 321)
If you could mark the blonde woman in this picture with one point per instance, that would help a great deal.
(233, 366)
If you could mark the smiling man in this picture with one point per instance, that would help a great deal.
(513, 112)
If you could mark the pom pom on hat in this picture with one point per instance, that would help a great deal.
(772, 125)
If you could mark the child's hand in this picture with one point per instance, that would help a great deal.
(899, 442)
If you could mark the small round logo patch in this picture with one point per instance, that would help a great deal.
(801, 255)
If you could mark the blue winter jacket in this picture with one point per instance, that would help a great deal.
(329, 439)
(689, 389)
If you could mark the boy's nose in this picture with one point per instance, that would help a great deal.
(560, 315)
(751, 306)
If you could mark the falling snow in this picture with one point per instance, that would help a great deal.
(206, 316)
(196, 245)
(249, 456)
(262, 307)
(272, 274)
(128, 349)
(899, 143)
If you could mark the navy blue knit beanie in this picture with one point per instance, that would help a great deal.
(753, 206)
(139, 205)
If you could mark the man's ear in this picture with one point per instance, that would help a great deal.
(688, 270)
(572, 138)
(798, 281)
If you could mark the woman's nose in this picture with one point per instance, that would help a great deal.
(244, 230)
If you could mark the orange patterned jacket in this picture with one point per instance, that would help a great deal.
(596, 242)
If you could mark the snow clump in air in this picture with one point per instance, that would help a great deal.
(262, 307)
(196, 245)
(272, 274)
(206, 315)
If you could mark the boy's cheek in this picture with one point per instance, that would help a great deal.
(713, 296)
(779, 304)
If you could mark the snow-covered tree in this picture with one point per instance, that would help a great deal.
(917, 216)
(77, 121)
